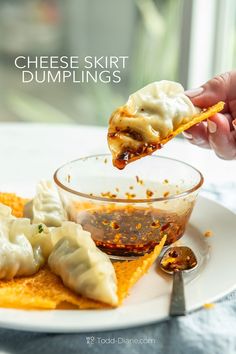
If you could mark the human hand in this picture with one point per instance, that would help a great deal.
(219, 132)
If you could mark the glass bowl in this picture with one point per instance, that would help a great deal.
(128, 212)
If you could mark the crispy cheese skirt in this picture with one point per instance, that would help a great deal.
(198, 118)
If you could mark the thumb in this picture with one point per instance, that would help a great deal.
(220, 88)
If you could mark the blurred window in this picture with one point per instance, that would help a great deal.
(212, 45)
(147, 31)
(183, 40)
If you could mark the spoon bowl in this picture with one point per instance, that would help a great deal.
(177, 259)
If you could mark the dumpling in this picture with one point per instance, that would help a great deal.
(81, 265)
(70, 251)
(149, 116)
(18, 254)
(47, 207)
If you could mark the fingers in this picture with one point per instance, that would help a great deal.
(220, 131)
(234, 124)
(221, 139)
(198, 135)
(219, 134)
(220, 88)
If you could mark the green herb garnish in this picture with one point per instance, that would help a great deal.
(40, 228)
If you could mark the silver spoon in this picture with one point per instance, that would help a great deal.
(176, 261)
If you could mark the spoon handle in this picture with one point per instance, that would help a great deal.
(177, 306)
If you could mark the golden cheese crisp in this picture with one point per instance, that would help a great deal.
(198, 118)
(150, 118)
(209, 306)
(45, 290)
(14, 202)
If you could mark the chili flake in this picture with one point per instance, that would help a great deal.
(130, 195)
(114, 225)
(139, 180)
(165, 194)
(208, 233)
(108, 195)
(149, 193)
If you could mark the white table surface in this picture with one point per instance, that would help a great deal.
(30, 152)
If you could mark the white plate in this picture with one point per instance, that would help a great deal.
(150, 297)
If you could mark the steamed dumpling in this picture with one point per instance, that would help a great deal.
(47, 206)
(81, 265)
(18, 255)
(161, 107)
(73, 255)
(150, 115)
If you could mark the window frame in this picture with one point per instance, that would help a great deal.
(205, 50)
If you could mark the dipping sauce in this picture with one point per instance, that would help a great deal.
(128, 230)
(178, 259)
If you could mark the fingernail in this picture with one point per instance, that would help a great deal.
(212, 127)
(187, 135)
(194, 92)
(234, 124)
